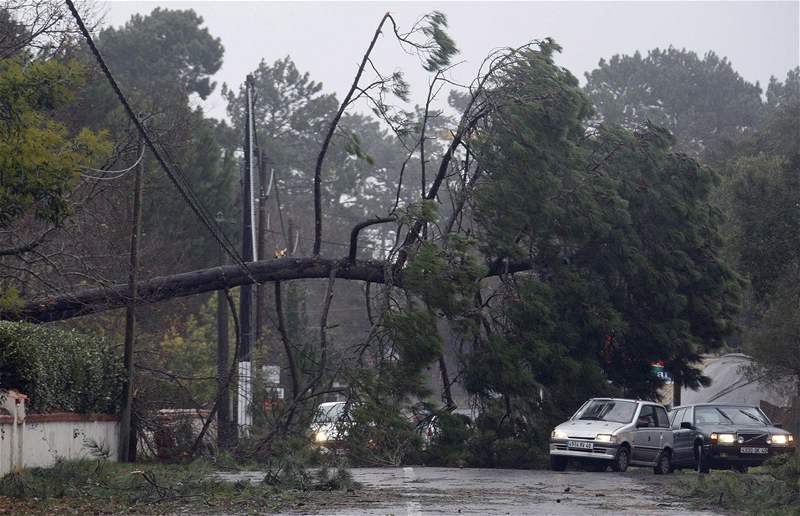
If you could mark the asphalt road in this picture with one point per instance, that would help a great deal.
(422, 491)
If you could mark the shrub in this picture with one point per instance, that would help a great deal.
(60, 370)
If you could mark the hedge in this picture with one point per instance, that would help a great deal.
(60, 370)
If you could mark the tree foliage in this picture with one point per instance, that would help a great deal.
(624, 241)
(39, 157)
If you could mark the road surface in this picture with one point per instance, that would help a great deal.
(436, 491)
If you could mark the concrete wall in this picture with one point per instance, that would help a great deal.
(39, 440)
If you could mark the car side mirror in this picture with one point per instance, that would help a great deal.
(642, 422)
(686, 426)
(777, 425)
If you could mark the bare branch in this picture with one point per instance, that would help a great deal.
(357, 229)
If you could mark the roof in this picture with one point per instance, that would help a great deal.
(730, 385)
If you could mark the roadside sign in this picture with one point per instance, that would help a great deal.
(659, 372)
(272, 374)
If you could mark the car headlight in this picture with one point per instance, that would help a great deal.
(604, 438)
(726, 438)
(782, 439)
(558, 434)
(321, 436)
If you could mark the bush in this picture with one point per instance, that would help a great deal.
(378, 435)
(772, 489)
(60, 370)
(449, 445)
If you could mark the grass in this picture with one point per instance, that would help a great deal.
(100, 487)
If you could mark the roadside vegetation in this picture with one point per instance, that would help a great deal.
(97, 486)
(771, 489)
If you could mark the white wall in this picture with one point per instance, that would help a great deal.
(39, 440)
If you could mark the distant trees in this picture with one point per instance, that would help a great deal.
(702, 100)
(752, 144)
(762, 197)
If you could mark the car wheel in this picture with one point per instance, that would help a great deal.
(621, 460)
(701, 462)
(558, 463)
(663, 463)
(740, 468)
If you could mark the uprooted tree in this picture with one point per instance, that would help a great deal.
(536, 259)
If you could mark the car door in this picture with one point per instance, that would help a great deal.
(681, 438)
(646, 435)
(684, 438)
(665, 439)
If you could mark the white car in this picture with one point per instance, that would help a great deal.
(326, 427)
(614, 432)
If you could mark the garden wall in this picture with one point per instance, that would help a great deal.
(41, 439)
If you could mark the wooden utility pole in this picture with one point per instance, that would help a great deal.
(127, 434)
(225, 435)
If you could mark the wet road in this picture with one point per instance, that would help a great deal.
(421, 491)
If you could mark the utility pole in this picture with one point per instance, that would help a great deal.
(224, 434)
(127, 434)
(245, 385)
(263, 196)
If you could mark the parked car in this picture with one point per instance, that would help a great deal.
(723, 436)
(614, 432)
(328, 426)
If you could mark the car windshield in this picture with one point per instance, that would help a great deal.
(608, 410)
(329, 413)
(728, 415)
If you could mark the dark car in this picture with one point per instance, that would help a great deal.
(722, 436)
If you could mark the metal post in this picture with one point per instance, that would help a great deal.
(127, 437)
(245, 386)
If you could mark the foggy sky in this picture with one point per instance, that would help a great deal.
(328, 39)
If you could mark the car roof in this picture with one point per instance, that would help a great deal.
(329, 404)
(715, 405)
(629, 399)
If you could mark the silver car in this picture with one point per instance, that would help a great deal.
(614, 432)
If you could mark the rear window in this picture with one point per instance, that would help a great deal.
(329, 413)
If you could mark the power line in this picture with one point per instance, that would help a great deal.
(177, 178)
(118, 173)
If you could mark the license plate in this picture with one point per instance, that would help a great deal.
(580, 444)
(762, 451)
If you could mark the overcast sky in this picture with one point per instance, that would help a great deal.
(327, 39)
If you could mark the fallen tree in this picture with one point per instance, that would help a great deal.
(101, 299)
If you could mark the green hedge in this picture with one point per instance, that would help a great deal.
(60, 370)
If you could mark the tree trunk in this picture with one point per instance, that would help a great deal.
(98, 300)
